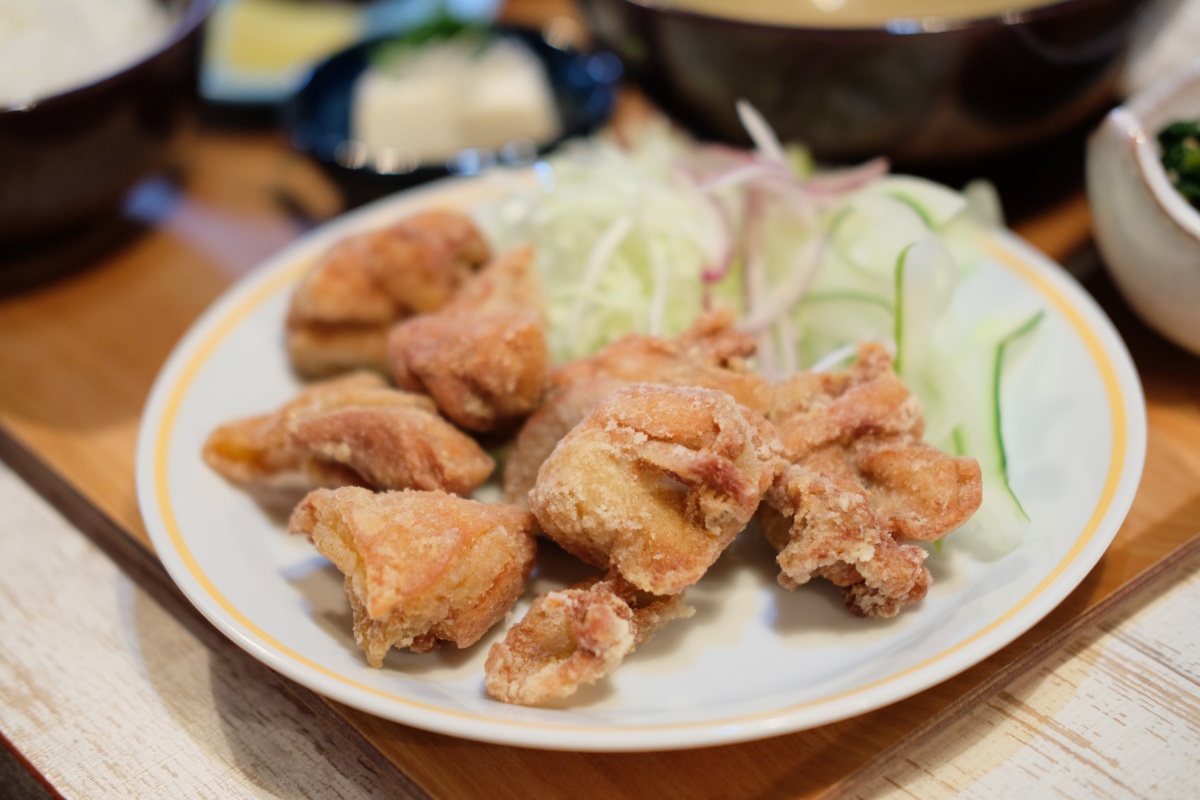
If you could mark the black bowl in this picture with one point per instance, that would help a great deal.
(70, 158)
(318, 117)
(925, 93)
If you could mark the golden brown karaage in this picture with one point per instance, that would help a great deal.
(483, 358)
(823, 526)
(573, 637)
(656, 481)
(353, 430)
(711, 354)
(862, 485)
(420, 567)
(346, 304)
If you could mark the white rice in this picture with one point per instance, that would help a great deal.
(50, 46)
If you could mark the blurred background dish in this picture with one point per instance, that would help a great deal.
(931, 84)
(1147, 233)
(345, 142)
(258, 52)
(69, 154)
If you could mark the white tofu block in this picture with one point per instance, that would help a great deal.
(508, 98)
(407, 113)
(448, 97)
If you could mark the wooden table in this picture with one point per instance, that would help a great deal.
(114, 685)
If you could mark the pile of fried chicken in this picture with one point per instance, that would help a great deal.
(644, 460)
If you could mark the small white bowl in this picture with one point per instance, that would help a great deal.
(1147, 233)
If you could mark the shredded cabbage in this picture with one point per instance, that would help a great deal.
(623, 241)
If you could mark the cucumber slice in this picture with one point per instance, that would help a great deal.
(872, 232)
(827, 321)
(889, 215)
(924, 286)
(1003, 357)
(1001, 520)
(934, 203)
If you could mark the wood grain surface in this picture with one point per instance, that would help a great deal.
(1039, 736)
(203, 714)
(79, 356)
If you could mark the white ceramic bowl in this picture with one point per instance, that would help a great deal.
(1147, 233)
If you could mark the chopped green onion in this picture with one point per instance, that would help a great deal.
(1180, 142)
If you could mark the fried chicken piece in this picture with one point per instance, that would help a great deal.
(822, 525)
(352, 430)
(814, 409)
(868, 416)
(861, 485)
(563, 409)
(711, 354)
(573, 637)
(420, 567)
(484, 357)
(341, 312)
(656, 481)
(919, 492)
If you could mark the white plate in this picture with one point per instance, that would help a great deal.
(755, 660)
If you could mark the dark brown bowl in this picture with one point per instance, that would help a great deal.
(923, 93)
(71, 157)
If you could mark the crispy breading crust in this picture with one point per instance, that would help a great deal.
(563, 409)
(711, 354)
(823, 526)
(352, 430)
(346, 304)
(573, 637)
(484, 357)
(420, 567)
(656, 482)
(861, 484)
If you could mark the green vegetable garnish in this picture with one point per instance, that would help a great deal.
(997, 371)
(1180, 142)
(440, 28)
